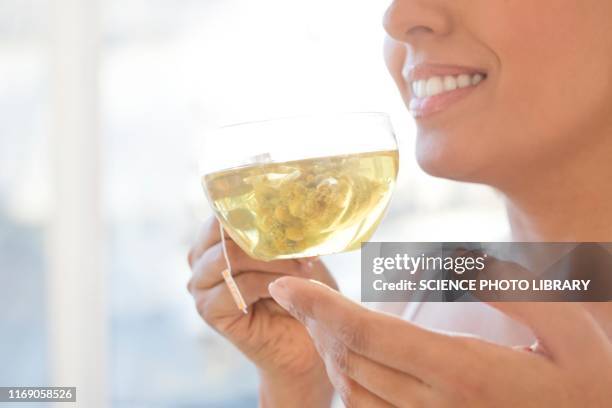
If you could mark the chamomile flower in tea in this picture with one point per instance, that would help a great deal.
(304, 208)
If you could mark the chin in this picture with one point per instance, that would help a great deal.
(452, 161)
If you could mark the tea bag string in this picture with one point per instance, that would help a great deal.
(227, 275)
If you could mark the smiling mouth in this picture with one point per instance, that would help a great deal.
(434, 89)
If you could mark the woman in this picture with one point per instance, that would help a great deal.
(513, 94)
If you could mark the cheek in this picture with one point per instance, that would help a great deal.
(549, 87)
(554, 65)
(550, 91)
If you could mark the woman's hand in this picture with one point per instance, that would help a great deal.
(377, 360)
(279, 345)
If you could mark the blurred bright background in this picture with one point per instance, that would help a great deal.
(103, 105)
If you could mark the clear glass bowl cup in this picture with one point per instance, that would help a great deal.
(303, 186)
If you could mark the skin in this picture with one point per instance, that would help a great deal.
(369, 367)
(271, 338)
(538, 131)
(544, 113)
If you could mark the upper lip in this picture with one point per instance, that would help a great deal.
(424, 71)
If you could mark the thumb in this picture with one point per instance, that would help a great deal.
(307, 299)
(564, 329)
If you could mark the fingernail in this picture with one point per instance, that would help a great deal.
(278, 291)
(318, 282)
(309, 260)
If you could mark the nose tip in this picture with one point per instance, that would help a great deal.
(407, 20)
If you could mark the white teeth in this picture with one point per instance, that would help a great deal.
(421, 88)
(436, 85)
(450, 83)
(463, 81)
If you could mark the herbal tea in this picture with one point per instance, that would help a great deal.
(304, 208)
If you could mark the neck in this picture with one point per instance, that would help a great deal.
(565, 201)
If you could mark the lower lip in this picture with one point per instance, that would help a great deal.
(429, 105)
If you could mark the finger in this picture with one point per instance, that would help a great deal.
(207, 269)
(207, 236)
(217, 302)
(564, 329)
(432, 357)
(389, 384)
(316, 269)
(353, 394)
